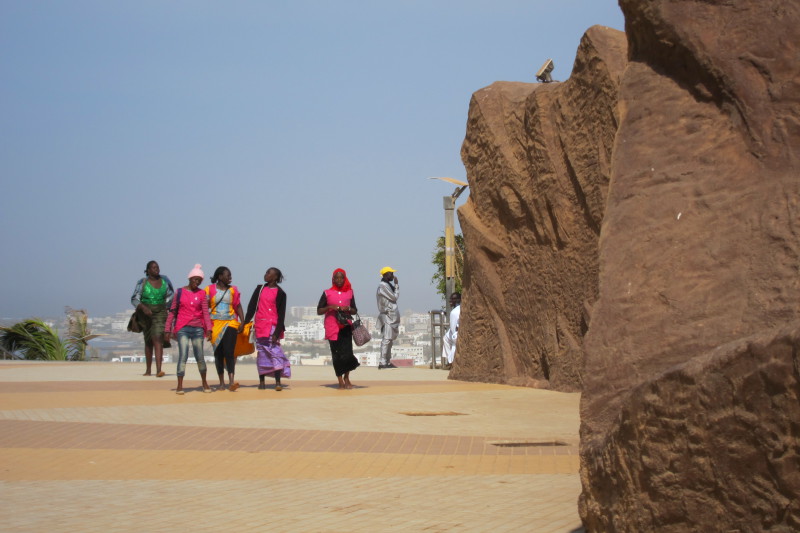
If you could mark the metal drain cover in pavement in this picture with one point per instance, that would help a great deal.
(526, 443)
(432, 413)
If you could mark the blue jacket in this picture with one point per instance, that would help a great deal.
(136, 299)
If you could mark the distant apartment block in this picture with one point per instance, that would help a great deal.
(303, 313)
(406, 351)
(305, 330)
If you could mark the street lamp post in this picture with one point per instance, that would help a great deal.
(450, 238)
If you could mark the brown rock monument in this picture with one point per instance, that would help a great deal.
(538, 159)
(634, 233)
(690, 416)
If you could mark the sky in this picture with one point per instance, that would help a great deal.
(297, 134)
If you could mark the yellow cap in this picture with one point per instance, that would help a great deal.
(384, 270)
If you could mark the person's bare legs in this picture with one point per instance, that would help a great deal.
(347, 383)
(158, 348)
(179, 390)
(221, 380)
(342, 384)
(148, 358)
(232, 385)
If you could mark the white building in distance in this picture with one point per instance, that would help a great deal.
(303, 312)
(305, 330)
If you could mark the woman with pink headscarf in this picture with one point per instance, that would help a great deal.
(338, 304)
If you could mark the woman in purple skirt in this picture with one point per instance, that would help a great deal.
(267, 310)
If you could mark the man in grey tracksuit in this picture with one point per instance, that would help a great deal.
(388, 314)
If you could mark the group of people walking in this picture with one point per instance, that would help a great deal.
(191, 314)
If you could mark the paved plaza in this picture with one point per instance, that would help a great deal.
(98, 447)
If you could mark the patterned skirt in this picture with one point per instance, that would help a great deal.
(153, 326)
(271, 359)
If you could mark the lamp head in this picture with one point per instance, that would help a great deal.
(543, 74)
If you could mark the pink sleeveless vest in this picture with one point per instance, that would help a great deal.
(340, 298)
(267, 315)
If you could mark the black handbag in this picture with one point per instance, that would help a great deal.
(342, 318)
(133, 324)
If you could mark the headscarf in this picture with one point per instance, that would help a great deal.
(345, 286)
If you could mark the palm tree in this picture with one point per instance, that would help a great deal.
(6, 354)
(33, 339)
(78, 334)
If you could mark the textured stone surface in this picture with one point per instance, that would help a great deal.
(687, 425)
(709, 445)
(538, 160)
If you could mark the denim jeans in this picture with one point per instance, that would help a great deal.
(194, 335)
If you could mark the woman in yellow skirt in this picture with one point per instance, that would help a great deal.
(227, 318)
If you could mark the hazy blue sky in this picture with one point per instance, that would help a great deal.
(298, 134)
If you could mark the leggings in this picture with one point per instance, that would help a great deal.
(190, 335)
(223, 355)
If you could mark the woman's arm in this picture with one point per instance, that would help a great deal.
(136, 298)
(322, 306)
(240, 315)
(207, 325)
(170, 291)
(171, 317)
(251, 307)
(237, 307)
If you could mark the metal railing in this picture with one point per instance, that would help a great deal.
(440, 321)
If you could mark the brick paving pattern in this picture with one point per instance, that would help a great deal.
(95, 447)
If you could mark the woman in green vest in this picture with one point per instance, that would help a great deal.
(151, 298)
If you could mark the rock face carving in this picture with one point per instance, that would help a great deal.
(538, 160)
(690, 418)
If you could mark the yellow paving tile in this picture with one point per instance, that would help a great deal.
(144, 459)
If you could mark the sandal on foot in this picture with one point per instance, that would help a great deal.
(233, 387)
(180, 392)
(208, 390)
(161, 374)
(278, 387)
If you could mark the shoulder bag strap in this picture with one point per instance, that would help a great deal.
(264, 286)
(258, 300)
(221, 297)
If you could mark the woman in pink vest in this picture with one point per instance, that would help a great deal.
(267, 309)
(338, 304)
(189, 320)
